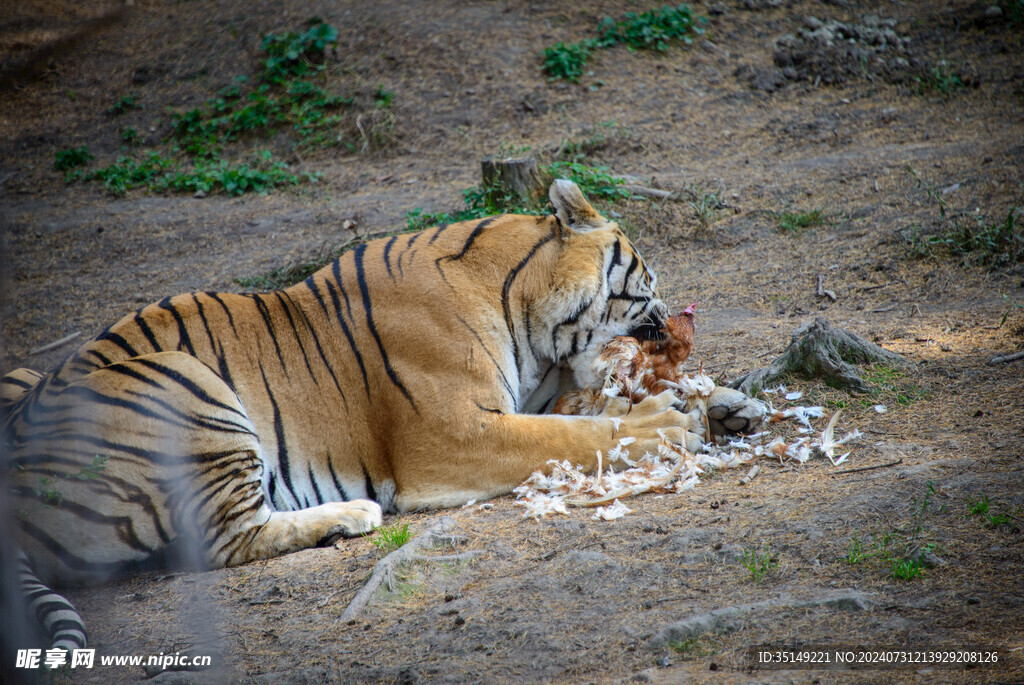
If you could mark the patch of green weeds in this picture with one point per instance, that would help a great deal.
(296, 55)
(653, 30)
(69, 159)
(478, 202)
(760, 564)
(390, 538)
(941, 78)
(124, 104)
(797, 222)
(202, 156)
(566, 61)
(282, 277)
(706, 205)
(890, 385)
(902, 549)
(981, 508)
(694, 647)
(969, 236)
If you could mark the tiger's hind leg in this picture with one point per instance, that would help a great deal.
(145, 460)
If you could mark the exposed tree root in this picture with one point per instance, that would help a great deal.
(384, 570)
(817, 350)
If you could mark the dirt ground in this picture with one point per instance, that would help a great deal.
(769, 126)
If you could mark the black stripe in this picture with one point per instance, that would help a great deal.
(341, 288)
(312, 481)
(488, 409)
(231, 319)
(616, 256)
(20, 383)
(387, 252)
(295, 332)
(337, 483)
(120, 342)
(477, 230)
(316, 341)
(186, 383)
(568, 321)
(507, 287)
(367, 307)
(261, 307)
(348, 335)
(504, 379)
(183, 337)
(103, 359)
(407, 247)
(437, 233)
(146, 331)
(206, 324)
(371, 492)
(283, 466)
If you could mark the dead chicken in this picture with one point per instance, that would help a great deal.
(635, 370)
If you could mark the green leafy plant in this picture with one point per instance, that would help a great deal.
(971, 236)
(941, 78)
(382, 98)
(563, 61)
(981, 507)
(797, 222)
(124, 104)
(906, 569)
(390, 538)
(760, 564)
(69, 158)
(653, 30)
(296, 54)
(648, 30)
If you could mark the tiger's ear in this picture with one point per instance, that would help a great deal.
(572, 208)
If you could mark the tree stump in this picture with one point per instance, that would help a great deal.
(515, 177)
(817, 350)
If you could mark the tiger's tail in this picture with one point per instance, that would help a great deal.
(15, 384)
(55, 614)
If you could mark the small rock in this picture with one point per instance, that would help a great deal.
(718, 9)
(459, 620)
(994, 11)
(200, 194)
(974, 600)
(930, 559)
(664, 662)
(812, 22)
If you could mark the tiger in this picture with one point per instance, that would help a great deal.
(413, 372)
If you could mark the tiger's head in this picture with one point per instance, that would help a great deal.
(601, 287)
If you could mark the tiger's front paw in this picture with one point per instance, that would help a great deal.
(352, 518)
(730, 411)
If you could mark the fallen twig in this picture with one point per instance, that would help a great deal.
(822, 292)
(868, 468)
(385, 567)
(55, 344)
(751, 474)
(1005, 358)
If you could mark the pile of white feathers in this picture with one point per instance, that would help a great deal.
(674, 469)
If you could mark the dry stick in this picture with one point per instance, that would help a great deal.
(1004, 358)
(384, 568)
(55, 344)
(822, 292)
(868, 468)
(751, 475)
